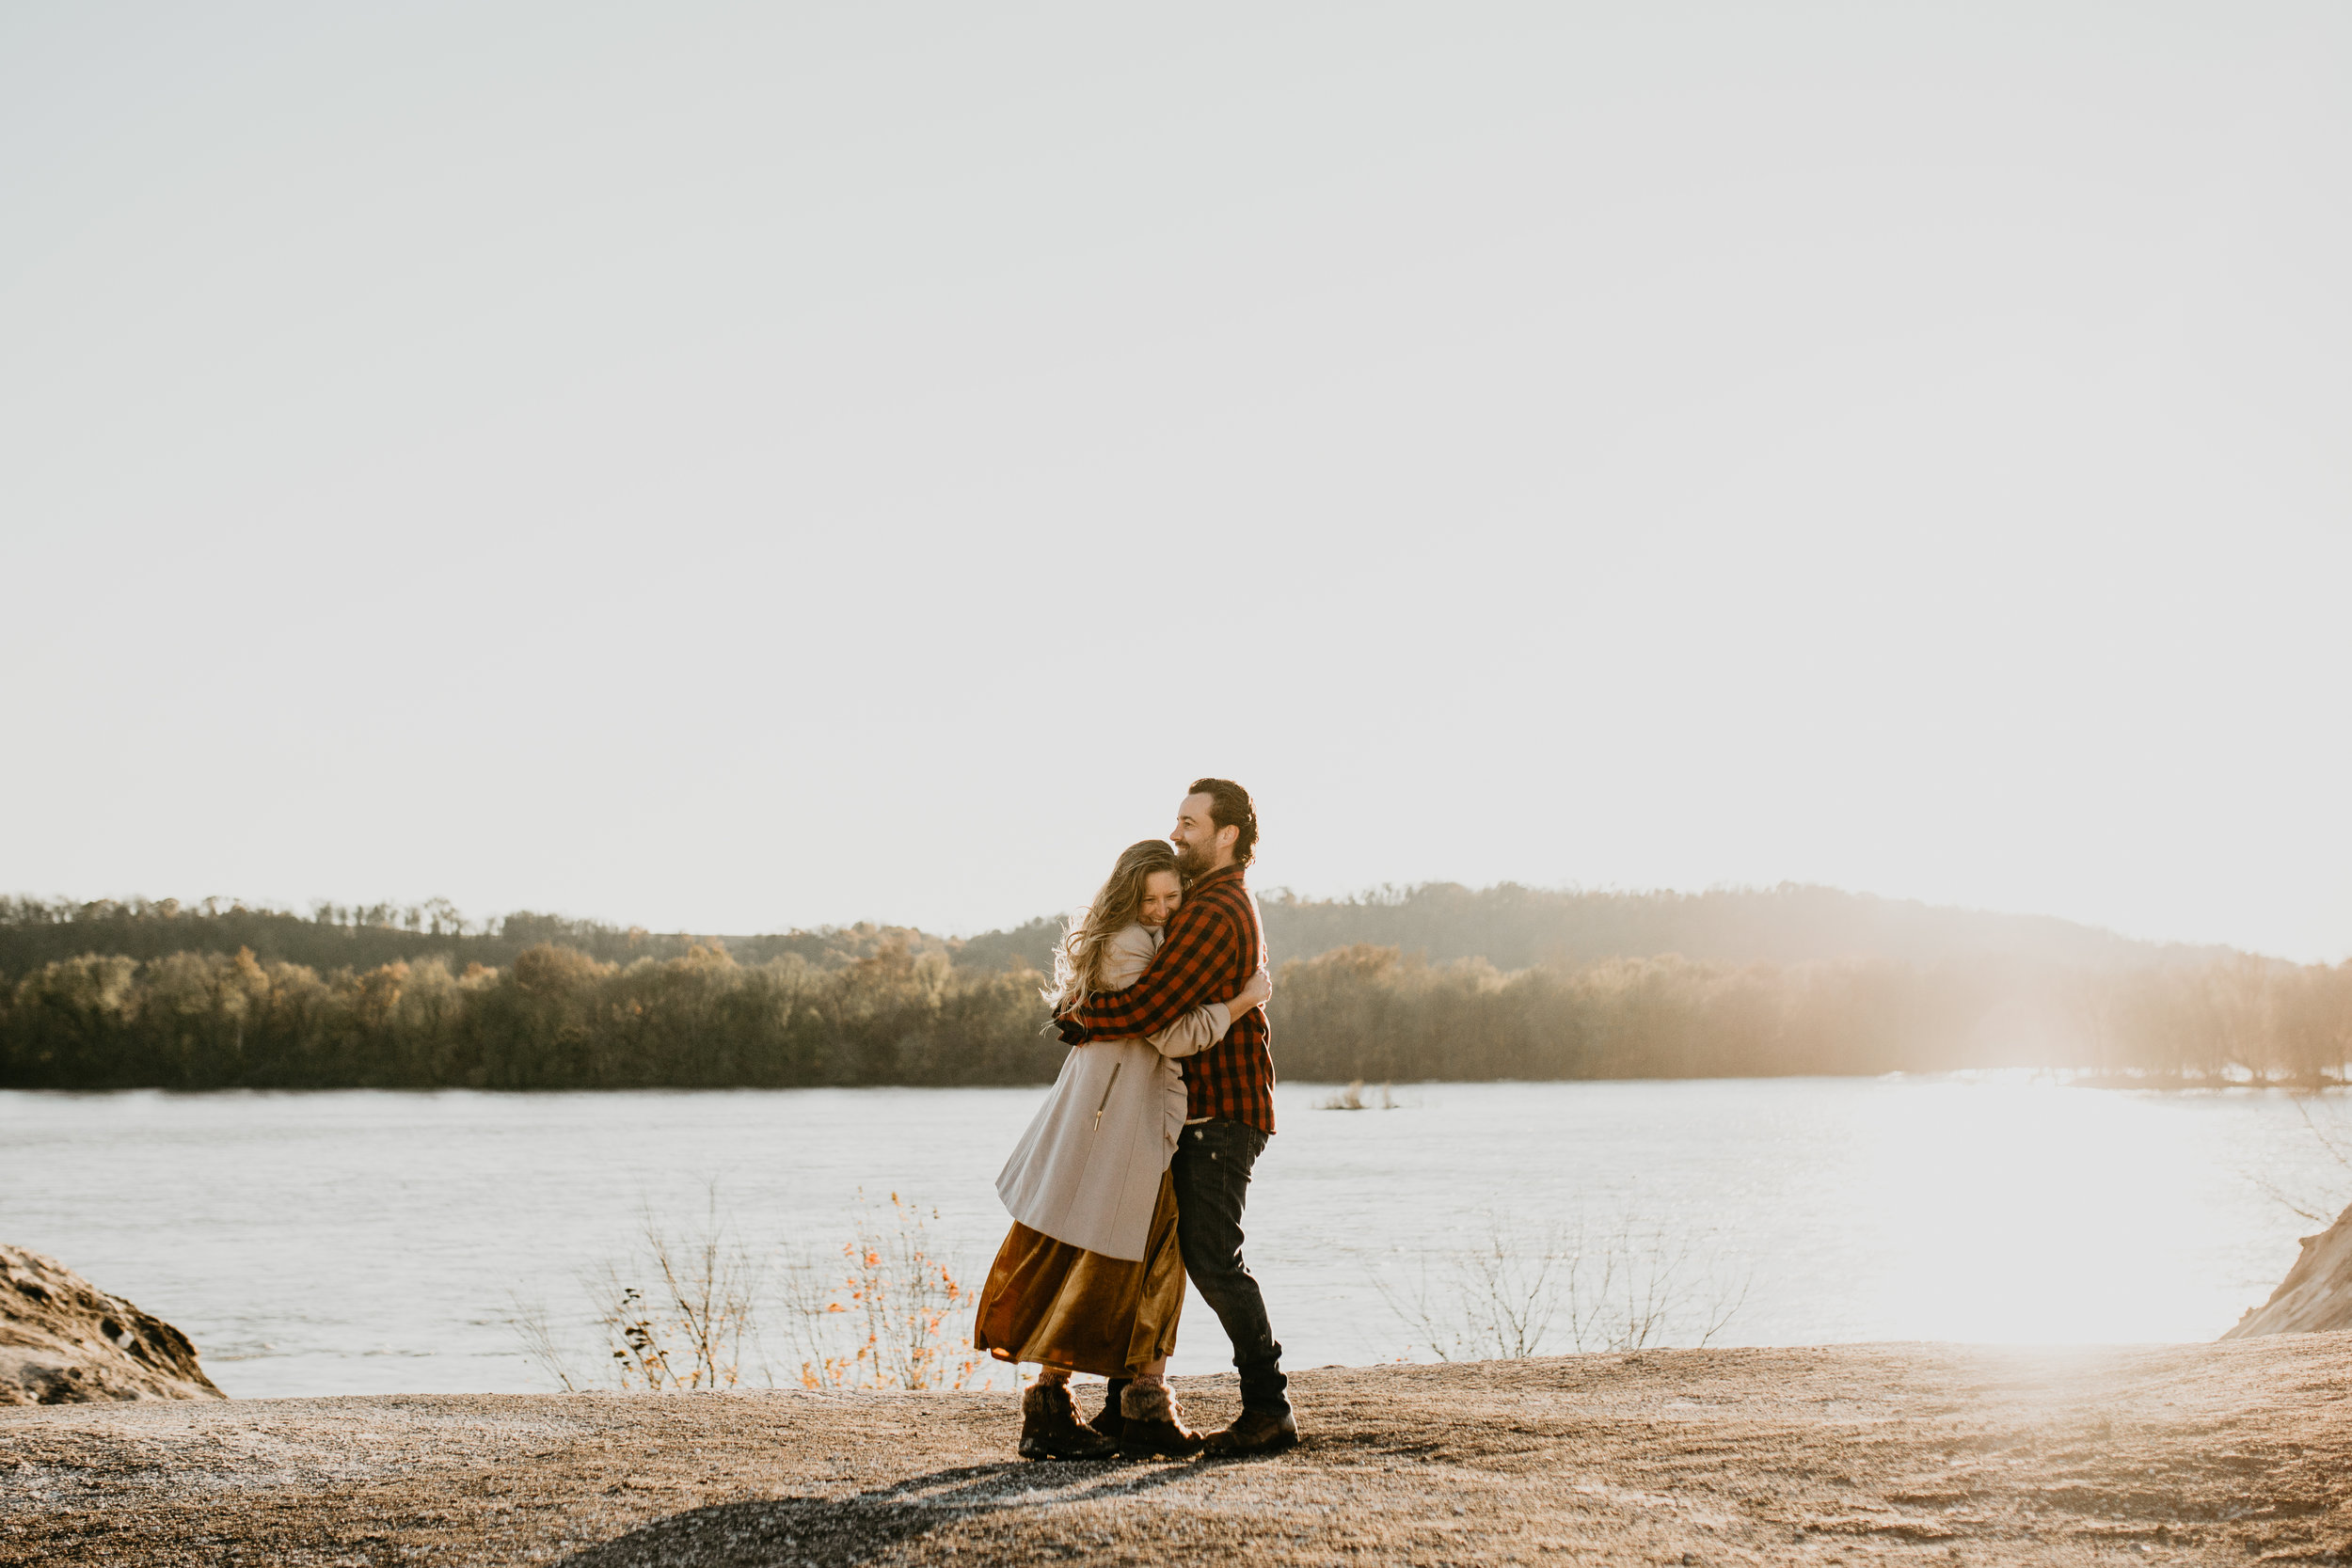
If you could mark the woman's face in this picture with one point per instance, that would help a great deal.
(1162, 893)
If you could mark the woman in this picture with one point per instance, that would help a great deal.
(1090, 1278)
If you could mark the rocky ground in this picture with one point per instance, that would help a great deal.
(2235, 1452)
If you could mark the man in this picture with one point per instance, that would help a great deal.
(1212, 947)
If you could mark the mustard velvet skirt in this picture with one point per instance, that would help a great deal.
(1060, 1305)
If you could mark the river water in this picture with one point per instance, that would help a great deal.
(377, 1242)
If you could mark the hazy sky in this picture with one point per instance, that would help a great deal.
(735, 467)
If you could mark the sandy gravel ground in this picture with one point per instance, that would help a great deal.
(2235, 1453)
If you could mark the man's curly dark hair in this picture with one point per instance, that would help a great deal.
(1229, 806)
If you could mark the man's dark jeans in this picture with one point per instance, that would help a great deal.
(1212, 1179)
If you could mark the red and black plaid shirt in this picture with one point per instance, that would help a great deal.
(1212, 947)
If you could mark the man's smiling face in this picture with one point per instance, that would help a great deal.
(1197, 838)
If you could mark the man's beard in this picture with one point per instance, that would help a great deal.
(1191, 860)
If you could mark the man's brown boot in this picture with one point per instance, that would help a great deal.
(1150, 1425)
(1050, 1428)
(1256, 1431)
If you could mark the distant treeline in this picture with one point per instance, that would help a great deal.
(558, 1017)
(1364, 1012)
(1510, 926)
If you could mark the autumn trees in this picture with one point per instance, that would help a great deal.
(557, 1017)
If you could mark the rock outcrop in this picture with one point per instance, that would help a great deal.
(2316, 1293)
(65, 1342)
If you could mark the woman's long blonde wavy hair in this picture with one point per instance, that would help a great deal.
(1086, 943)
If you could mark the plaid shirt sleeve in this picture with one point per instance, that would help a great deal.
(1196, 964)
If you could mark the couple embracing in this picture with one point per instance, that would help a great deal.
(1135, 1171)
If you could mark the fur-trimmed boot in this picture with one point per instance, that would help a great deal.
(1150, 1425)
(1050, 1428)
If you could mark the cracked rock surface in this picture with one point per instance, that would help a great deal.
(65, 1342)
(2237, 1452)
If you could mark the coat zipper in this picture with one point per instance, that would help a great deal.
(1106, 1094)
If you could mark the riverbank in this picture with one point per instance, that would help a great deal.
(1856, 1453)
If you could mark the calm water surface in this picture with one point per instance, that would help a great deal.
(319, 1243)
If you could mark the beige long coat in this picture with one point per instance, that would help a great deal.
(1087, 1171)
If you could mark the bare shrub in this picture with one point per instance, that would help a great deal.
(541, 1343)
(805, 1322)
(678, 1316)
(1513, 1295)
(697, 1308)
(1354, 1098)
(905, 1300)
(2324, 1120)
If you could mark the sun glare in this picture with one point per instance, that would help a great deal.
(2014, 1209)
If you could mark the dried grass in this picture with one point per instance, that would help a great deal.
(697, 1308)
(1512, 1295)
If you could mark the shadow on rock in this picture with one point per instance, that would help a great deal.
(820, 1532)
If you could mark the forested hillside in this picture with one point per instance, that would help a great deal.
(1510, 926)
(34, 932)
(1514, 928)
